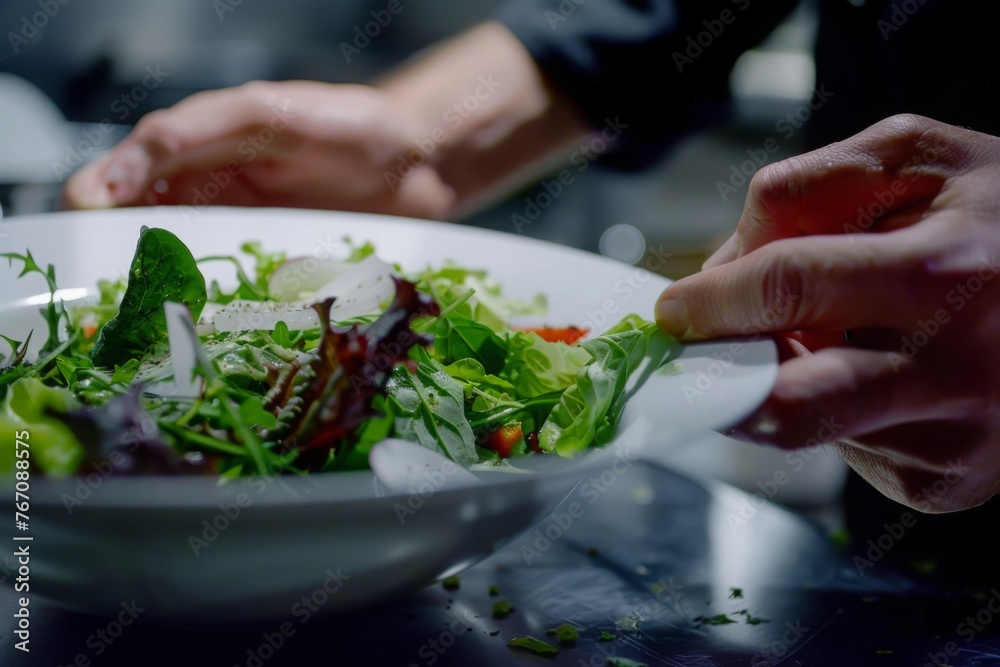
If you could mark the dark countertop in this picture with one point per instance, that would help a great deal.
(657, 553)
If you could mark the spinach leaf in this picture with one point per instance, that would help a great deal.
(430, 409)
(457, 337)
(162, 270)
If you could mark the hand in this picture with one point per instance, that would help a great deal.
(441, 137)
(299, 144)
(893, 237)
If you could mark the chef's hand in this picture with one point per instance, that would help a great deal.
(893, 237)
(280, 144)
(444, 135)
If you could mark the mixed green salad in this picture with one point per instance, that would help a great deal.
(302, 367)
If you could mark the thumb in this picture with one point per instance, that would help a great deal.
(796, 284)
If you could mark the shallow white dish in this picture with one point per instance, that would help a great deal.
(192, 552)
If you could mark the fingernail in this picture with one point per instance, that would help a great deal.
(672, 317)
(729, 251)
(127, 174)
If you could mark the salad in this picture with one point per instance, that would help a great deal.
(303, 367)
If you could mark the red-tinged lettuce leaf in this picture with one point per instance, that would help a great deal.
(333, 393)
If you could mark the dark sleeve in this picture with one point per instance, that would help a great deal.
(661, 67)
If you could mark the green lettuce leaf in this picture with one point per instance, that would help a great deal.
(429, 406)
(535, 366)
(588, 412)
(54, 448)
(162, 270)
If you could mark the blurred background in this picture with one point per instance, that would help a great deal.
(76, 74)
(87, 61)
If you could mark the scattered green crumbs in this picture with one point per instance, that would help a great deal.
(451, 583)
(494, 591)
(607, 636)
(733, 617)
(718, 619)
(564, 633)
(534, 645)
(750, 619)
(502, 609)
(735, 593)
(624, 662)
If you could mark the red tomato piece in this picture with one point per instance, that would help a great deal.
(502, 440)
(568, 335)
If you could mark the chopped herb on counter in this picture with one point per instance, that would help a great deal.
(502, 609)
(534, 645)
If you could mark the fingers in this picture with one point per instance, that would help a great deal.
(800, 284)
(840, 393)
(202, 132)
(956, 484)
(883, 178)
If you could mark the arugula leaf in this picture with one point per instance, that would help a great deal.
(488, 306)
(162, 270)
(266, 262)
(430, 409)
(55, 310)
